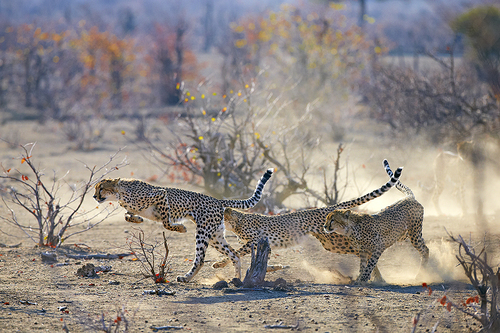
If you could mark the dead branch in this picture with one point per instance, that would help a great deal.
(146, 254)
(165, 328)
(97, 256)
(257, 272)
(281, 325)
(40, 199)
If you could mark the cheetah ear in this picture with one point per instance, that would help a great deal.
(329, 217)
(228, 212)
(109, 184)
(347, 214)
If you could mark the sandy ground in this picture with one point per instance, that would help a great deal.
(316, 297)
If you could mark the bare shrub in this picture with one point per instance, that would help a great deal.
(447, 102)
(83, 132)
(119, 324)
(55, 215)
(221, 145)
(482, 307)
(147, 255)
(486, 280)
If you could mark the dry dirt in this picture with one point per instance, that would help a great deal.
(316, 297)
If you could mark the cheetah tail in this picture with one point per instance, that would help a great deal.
(400, 186)
(370, 196)
(257, 194)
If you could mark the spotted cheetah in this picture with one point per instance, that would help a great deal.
(290, 229)
(167, 205)
(457, 167)
(372, 234)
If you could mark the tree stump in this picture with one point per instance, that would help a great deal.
(257, 272)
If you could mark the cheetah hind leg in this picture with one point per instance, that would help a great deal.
(221, 263)
(377, 277)
(129, 217)
(220, 244)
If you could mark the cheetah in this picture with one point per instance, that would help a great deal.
(457, 167)
(290, 229)
(167, 205)
(372, 234)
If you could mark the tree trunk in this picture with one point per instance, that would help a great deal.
(257, 272)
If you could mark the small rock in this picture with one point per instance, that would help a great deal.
(236, 282)
(220, 285)
(87, 270)
(48, 257)
(113, 282)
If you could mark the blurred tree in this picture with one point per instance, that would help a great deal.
(128, 21)
(481, 26)
(208, 25)
(320, 50)
(171, 61)
(105, 59)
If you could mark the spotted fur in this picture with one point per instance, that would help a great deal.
(372, 234)
(290, 229)
(167, 205)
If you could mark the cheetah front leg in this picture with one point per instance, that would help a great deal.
(366, 267)
(164, 217)
(130, 217)
(202, 239)
(244, 250)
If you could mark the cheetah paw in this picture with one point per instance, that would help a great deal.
(133, 218)
(220, 264)
(179, 228)
(182, 279)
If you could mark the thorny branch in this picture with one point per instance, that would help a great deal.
(42, 201)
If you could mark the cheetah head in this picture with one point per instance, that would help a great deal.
(106, 189)
(338, 222)
(231, 218)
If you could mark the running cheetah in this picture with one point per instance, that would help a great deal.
(372, 234)
(290, 229)
(167, 205)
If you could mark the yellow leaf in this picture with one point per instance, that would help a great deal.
(239, 43)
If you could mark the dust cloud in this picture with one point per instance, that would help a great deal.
(326, 276)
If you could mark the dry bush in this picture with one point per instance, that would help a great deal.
(485, 278)
(446, 102)
(84, 132)
(119, 324)
(56, 215)
(222, 144)
(147, 254)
